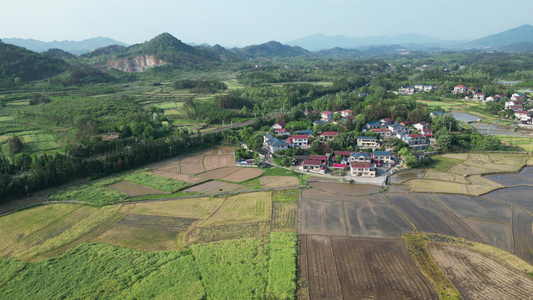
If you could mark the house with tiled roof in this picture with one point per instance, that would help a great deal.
(416, 141)
(326, 116)
(362, 169)
(367, 142)
(479, 96)
(523, 116)
(514, 105)
(383, 133)
(299, 140)
(372, 125)
(305, 132)
(383, 157)
(272, 144)
(310, 165)
(422, 125)
(329, 135)
(460, 89)
(360, 157)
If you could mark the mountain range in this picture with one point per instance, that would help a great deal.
(73, 47)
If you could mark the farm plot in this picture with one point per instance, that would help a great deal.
(212, 162)
(345, 188)
(522, 234)
(244, 174)
(152, 221)
(140, 238)
(133, 190)
(435, 186)
(519, 196)
(243, 208)
(443, 176)
(477, 276)
(278, 181)
(524, 177)
(213, 187)
(285, 216)
(185, 208)
(198, 235)
(322, 217)
(180, 177)
(425, 220)
(476, 208)
(494, 234)
(404, 176)
(362, 268)
(375, 220)
(218, 173)
(457, 223)
(157, 182)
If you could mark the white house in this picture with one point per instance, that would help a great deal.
(421, 126)
(327, 116)
(479, 96)
(367, 142)
(299, 140)
(383, 156)
(416, 141)
(383, 133)
(460, 89)
(329, 135)
(362, 169)
(524, 116)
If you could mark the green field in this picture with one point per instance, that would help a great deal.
(157, 182)
(233, 269)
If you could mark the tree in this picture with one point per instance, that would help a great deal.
(23, 161)
(410, 160)
(15, 145)
(255, 142)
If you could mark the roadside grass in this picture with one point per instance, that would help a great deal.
(417, 245)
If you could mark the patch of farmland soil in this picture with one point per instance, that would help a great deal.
(524, 177)
(346, 188)
(476, 208)
(520, 196)
(403, 176)
(323, 280)
(495, 234)
(375, 220)
(132, 189)
(477, 276)
(378, 269)
(522, 234)
(322, 217)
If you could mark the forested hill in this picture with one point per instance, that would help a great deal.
(272, 49)
(18, 65)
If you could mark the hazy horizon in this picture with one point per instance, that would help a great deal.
(241, 23)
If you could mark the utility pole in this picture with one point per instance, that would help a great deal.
(27, 192)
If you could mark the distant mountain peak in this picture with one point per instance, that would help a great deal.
(73, 47)
(517, 35)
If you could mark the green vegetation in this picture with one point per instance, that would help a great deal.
(282, 266)
(442, 164)
(156, 181)
(417, 246)
(95, 192)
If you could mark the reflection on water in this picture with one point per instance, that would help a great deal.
(494, 129)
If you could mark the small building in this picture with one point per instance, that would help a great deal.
(367, 142)
(383, 157)
(307, 132)
(421, 126)
(386, 122)
(362, 169)
(310, 165)
(460, 89)
(343, 154)
(329, 135)
(479, 96)
(321, 158)
(320, 122)
(409, 90)
(326, 116)
(272, 144)
(299, 140)
(346, 113)
(433, 114)
(360, 157)
(416, 141)
(373, 125)
(514, 105)
(398, 128)
(278, 126)
(383, 133)
(523, 116)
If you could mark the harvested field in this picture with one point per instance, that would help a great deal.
(362, 268)
(519, 196)
(191, 168)
(213, 187)
(159, 222)
(522, 234)
(186, 208)
(469, 169)
(436, 175)
(476, 208)
(322, 217)
(218, 161)
(285, 216)
(133, 189)
(218, 173)
(494, 234)
(404, 176)
(346, 188)
(244, 174)
(278, 181)
(375, 220)
(461, 156)
(435, 186)
(226, 232)
(425, 220)
(524, 177)
(242, 208)
(140, 238)
(320, 195)
(181, 177)
(477, 276)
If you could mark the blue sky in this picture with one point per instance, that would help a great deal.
(241, 23)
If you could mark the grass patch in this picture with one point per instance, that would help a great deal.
(418, 248)
(242, 208)
(187, 208)
(442, 164)
(95, 192)
(157, 182)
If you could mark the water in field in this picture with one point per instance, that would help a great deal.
(495, 129)
(464, 117)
